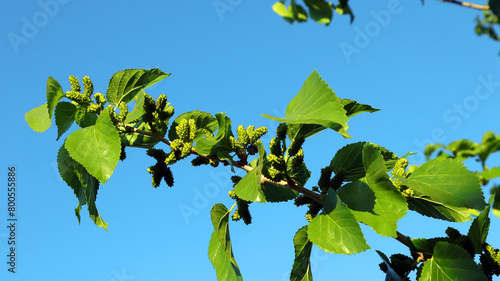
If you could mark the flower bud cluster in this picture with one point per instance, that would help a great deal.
(160, 170)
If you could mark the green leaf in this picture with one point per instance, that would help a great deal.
(83, 118)
(336, 229)
(138, 110)
(320, 11)
(354, 108)
(426, 246)
(478, 230)
(280, 9)
(463, 148)
(38, 118)
(316, 103)
(299, 13)
(488, 146)
(301, 269)
(96, 147)
(54, 94)
(203, 120)
(495, 7)
(358, 197)
(65, 116)
(489, 174)
(220, 250)
(496, 203)
(450, 263)
(140, 140)
(249, 188)
(430, 149)
(391, 274)
(126, 84)
(440, 211)
(390, 205)
(277, 193)
(300, 174)
(447, 182)
(350, 160)
(220, 145)
(83, 184)
(344, 9)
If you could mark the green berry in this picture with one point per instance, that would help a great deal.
(75, 84)
(88, 86)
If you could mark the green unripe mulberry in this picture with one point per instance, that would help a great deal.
(123, 111)
(275, 146)
(281, 131)
(295, 146)
(77, 97)
(243, 137)
(161, 102)
(75, 84)
(88, 86)
(100, 98)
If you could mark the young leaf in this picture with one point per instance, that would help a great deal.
(354, 108)
(489, 174)
(391, 274)
(220, 251)
(38, 119)
(203, 120)
(478, 230)
(249, 188)
(316, 103)
(65, 116)
(280, 9)
(447, 182)
(451, 263)
(350, 159)
(83, 118)
(126, 84)
(220, 146)
(54, 94)
(336, 229)
(96, 147)
(301, 270)
(138, 110)
(320, 11)
(390, 205)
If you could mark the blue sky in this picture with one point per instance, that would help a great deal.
(433, 78)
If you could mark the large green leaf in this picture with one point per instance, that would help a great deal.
(478, 231)
(336, 229)
(65, 116)
(96, 147)
(301, 270)
(316, 103)
(83, 184)
(391, 274)
(447, 182)
(126, 84)
(451, 263)
(54, 94)
(220, 250)
(354, 108)
(440, 211)
(38, 119)
(320, 11)
(249, 188)
(350, 160)
(390, 205)
(203, 120)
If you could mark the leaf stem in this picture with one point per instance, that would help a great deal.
(467, 4)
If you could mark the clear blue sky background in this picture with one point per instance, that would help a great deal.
(416, 67)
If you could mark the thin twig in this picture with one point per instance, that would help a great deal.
(467, 4)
